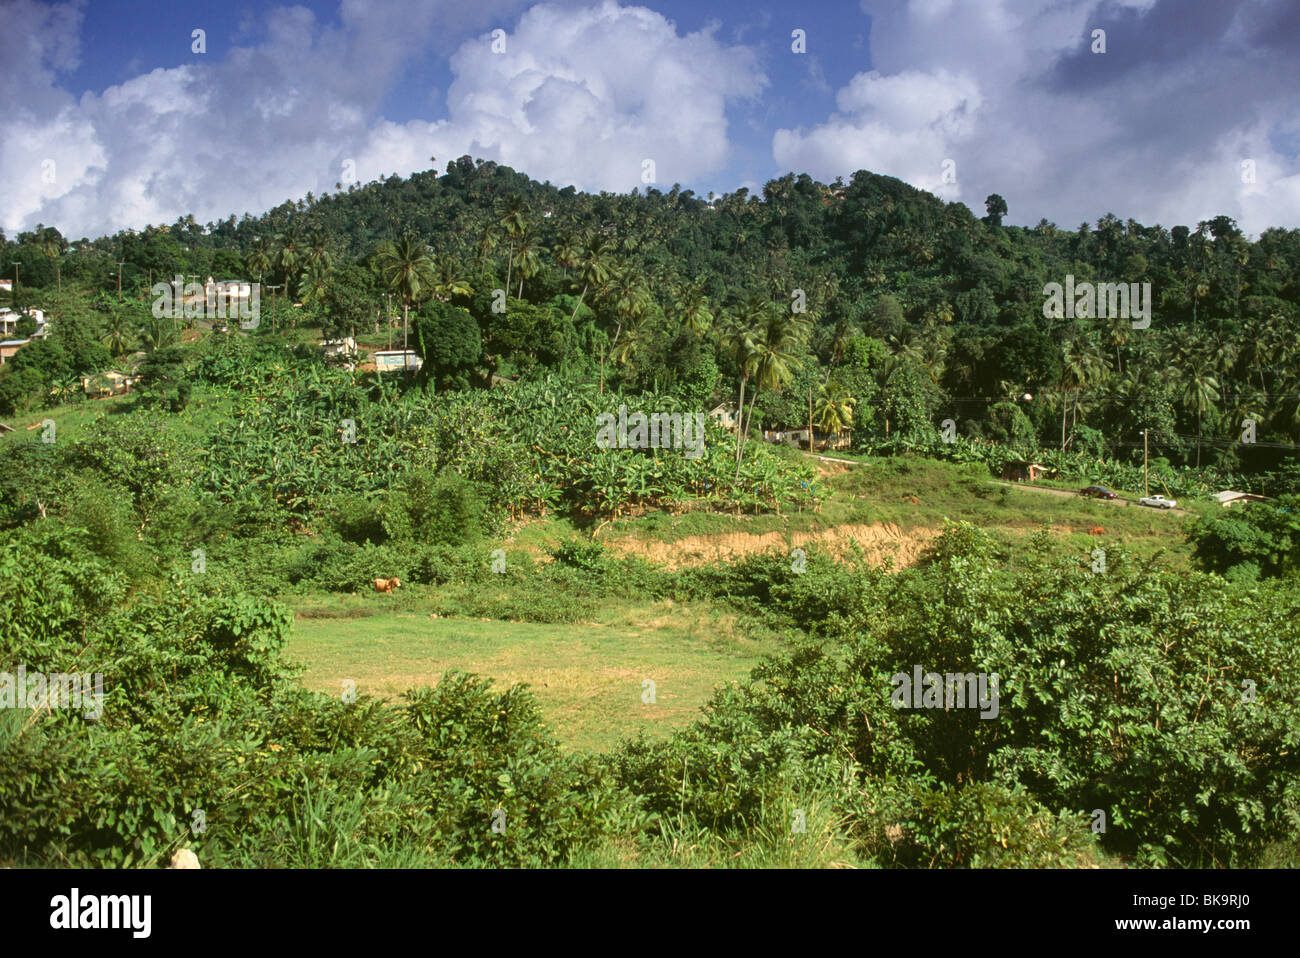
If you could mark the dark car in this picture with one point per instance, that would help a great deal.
(1098, 492)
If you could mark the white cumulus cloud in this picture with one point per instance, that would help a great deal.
(582, 95)
(1011, 91)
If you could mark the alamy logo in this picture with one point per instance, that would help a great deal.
(102, 911)
(659, 430)
(946, 691)
(35, 690)
(1102, 301)
(231, 300)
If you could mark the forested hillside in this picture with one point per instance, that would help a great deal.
(916, 310)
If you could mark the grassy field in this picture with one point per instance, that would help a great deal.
(70, 420)
(588, 677)
(917, 495)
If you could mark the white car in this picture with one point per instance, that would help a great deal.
(1158, 502)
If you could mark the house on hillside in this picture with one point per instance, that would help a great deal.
(10, 346)
(725, 416)
(1230, 497)
(9, 321)
(339, 347)
(394, 360)
(1022, 471)
(234, 291)
(821, 440)
(107, 384)
(838, 441)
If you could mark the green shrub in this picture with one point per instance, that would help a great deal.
(441, 508)
(358, 519)
(974, 826)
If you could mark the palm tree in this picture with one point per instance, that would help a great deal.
(890, 367)
(288, 258)
(840, 335)
(694, 308)
(259, 258)
(1118, 335)
(449, 282)
(486, 244)
(568, 252)
(776, 352)
(407, 270)
(318, 253)
(52, 244)
(1240, 251)
(510, 217)
(739, 335)
(624, 352)
(627, 293)
(121, 335)
(527, 258)
(157, 334)
(594, 269)
(1076, 372)
(311, 286)
(1200, 391)
(776, 338)
(834, 409)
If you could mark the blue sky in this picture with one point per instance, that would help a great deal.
(114, 121)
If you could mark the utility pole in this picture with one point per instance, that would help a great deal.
(1146, 474)
(119, 282)
(13, 294)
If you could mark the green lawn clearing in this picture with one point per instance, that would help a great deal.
(589, 679)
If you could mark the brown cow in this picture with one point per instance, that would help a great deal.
(387, 585)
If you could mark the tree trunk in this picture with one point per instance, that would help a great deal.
(1065, 407)
(579, 306)
(741, 413)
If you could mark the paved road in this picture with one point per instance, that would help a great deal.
(1065, 492)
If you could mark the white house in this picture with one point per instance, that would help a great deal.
(9, 322)
(233, 289)
(9, 326)
(392, 360)
(339, 347)
(1230, 497)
